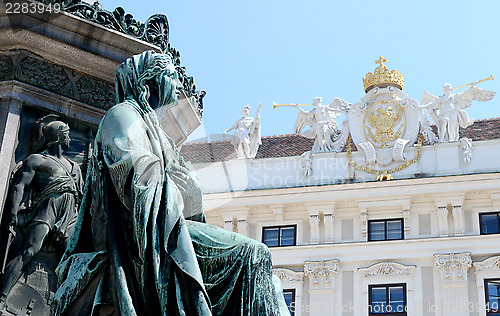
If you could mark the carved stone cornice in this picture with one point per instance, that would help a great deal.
(453, 267)
(387, 269)
(490, 264)
(287, 275)
(321, 273)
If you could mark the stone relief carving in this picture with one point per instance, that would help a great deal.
(40, 215)
(21, 66)
(453, 267)
(490, 264)
(388, 269)
(288, 275)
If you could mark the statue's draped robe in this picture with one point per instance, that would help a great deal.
(132, 246)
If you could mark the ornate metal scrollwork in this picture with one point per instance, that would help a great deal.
(155, 31)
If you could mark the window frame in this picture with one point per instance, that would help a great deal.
(294, 301)
(487, 296)
(280, 227)
(481, 231)
(386, 220)
(387, 286)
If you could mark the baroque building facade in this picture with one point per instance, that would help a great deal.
(406, 224)
(426, 239)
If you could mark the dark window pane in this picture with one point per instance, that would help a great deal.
(290, 300)
(396, 299)
(378, 308)
(377, 226)
(288, 236)
(489, 224)
(493, 295)
(377, 236)
(270, 237)
(379, 294)
(394, 234)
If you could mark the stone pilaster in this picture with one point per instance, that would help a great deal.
(458, 220)
(329, 232)
(452, 269)
(321, 275)
(442, 214)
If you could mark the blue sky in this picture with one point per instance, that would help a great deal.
(292, 51)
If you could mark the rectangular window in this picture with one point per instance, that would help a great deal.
(385, 229)
(490, 223)
(290, 300)
(492, 288)
(279, 236)
(387, 299)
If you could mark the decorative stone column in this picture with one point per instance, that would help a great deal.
(452, 269)
(443, 221)
(458, 220)
(321, 276)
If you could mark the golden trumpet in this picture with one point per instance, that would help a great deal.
(275, 105)
(476, 82)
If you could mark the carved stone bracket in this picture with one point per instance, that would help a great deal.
(386, 269)
(453, 267)
(321, 273)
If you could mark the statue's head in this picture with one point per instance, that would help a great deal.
(49, 131)
(447, 88)
(317, 101)
(149, 79)
(246, 110)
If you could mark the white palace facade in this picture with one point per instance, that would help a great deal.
(425, 242)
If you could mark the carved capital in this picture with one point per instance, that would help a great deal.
(453, 267)
(387, 269)
(287, 275)
(321, 273)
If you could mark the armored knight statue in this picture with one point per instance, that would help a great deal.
(141, 245)
(448, 112)
(43, 201)
(246, 139)
(321, 119)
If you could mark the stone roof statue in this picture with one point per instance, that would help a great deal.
(246, 138)
(448, 110)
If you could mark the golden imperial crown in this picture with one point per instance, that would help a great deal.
(382, 77)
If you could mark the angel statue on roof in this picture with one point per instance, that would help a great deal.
(448, 112)
(321, 119)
